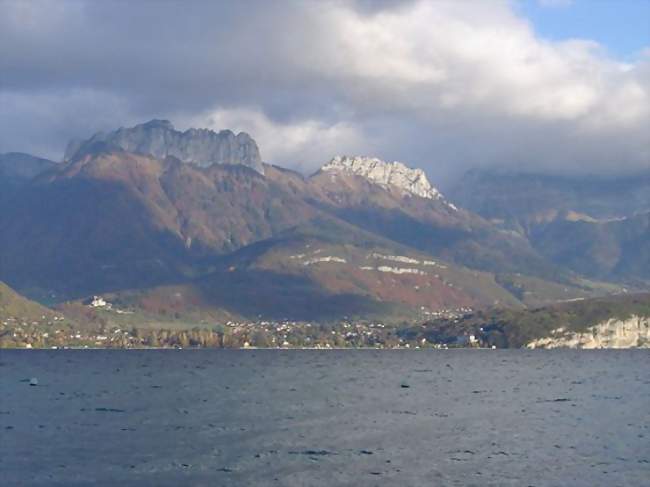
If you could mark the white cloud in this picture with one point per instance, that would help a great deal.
(443, 85)
(454, 55)
(308, 143)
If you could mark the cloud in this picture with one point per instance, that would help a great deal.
(42, 122)
(306, 143)
(442, 85)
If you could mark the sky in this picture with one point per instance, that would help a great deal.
(552, 86)
(622, 27)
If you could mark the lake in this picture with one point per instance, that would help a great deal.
(325, 418)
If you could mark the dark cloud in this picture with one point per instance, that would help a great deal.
(440, 85)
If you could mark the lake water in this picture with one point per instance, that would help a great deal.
(325, 418)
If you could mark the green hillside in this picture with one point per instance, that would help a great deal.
(13, 305)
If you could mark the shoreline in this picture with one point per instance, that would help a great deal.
(404, 349)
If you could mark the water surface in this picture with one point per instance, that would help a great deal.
(325, 418)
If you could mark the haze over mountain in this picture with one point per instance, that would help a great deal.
(525, 198)
(597, 226)
(17, 169)
(359, 237)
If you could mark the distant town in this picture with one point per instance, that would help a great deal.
(621, 321)
(57, 331)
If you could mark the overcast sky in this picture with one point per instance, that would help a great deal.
(548, 85)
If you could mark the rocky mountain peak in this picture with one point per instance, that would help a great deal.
(160, 139)
(394, 174)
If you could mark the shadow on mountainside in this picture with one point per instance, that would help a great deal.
(256, 293)
(78, 237)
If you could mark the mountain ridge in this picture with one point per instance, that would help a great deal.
(160, 139)
(392, 174)
(111, 220)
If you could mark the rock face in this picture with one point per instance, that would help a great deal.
(158, 138)
(633, 332)
(391, 174)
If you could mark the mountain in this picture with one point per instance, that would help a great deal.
(324, 270)
(159, 139)
(400, 204)
(360, 237)
(595, 226)
(615, 250)
(112, 219)
(17, 169)
(522, 200)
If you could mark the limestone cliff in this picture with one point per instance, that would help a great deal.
(633, 332)
(389, 174)
(158, 138)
